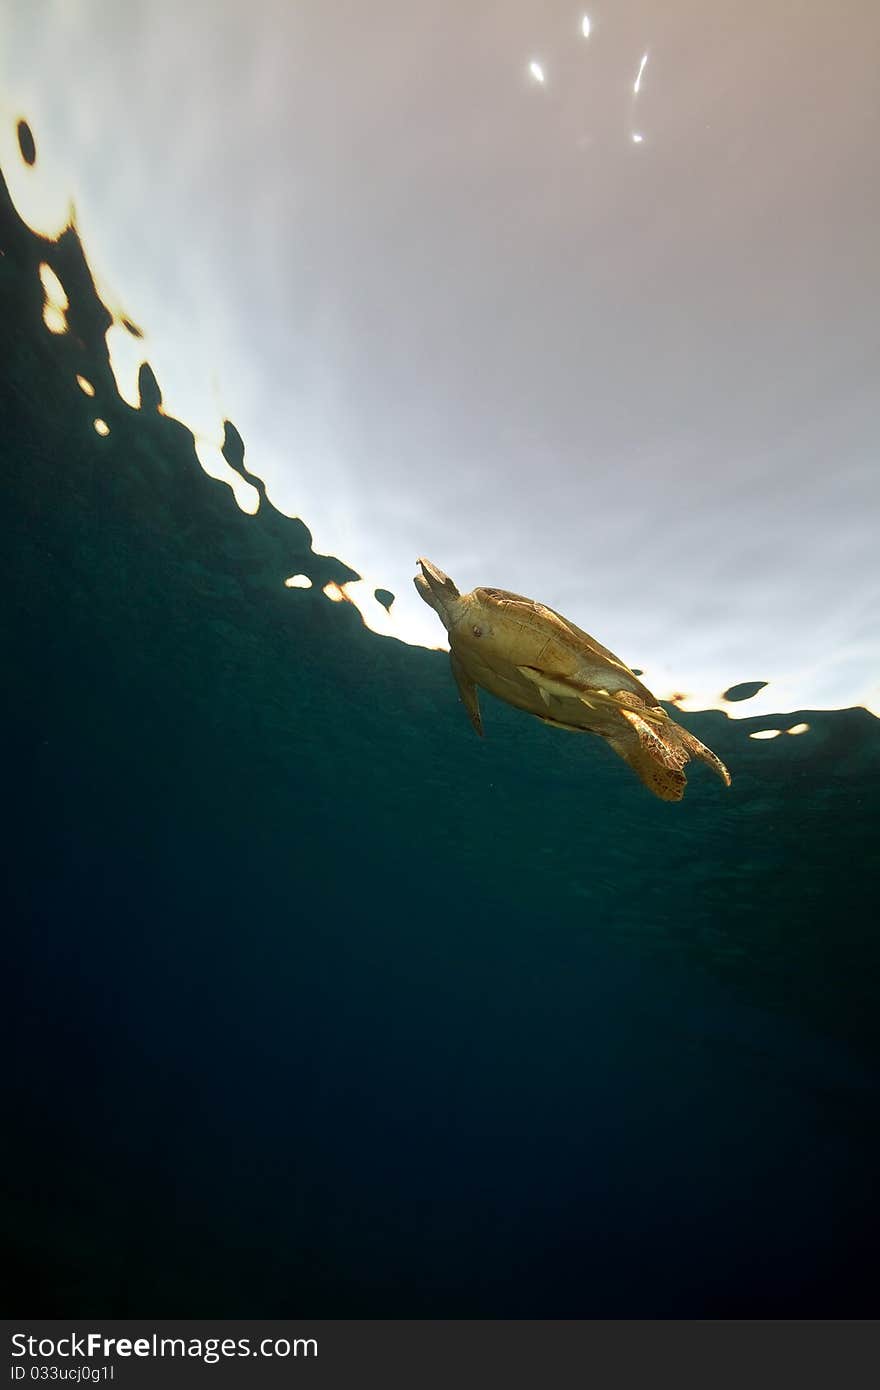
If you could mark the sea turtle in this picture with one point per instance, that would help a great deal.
(538, 661)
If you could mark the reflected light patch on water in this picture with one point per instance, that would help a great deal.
(210, 456)
(374, 615)
(101, 427)
(795, 729)
(126, 356)
(38, 187)
(298, 581)
(85, 385)
(55, 303)
(54, 319)
(360, 594)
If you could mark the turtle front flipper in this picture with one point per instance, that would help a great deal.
(468, 692)
(558, 724)
(593, 696)
(549, 683)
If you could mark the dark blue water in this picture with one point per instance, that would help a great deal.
(319, 1005)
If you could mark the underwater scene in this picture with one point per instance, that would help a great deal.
(321, 1005)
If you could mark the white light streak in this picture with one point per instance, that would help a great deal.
(585, 26)
(637, 139)
(537, 71)
(638, 81)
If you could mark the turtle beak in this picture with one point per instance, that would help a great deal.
(435, 587)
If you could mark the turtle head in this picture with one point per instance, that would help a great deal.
(439, 592)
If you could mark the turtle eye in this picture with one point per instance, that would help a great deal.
(477, 631)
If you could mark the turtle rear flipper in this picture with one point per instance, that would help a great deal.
(666, 782)
(659, 755)
(699, 750)
(655, 755)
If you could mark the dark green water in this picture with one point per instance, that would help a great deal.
(321, 1006)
